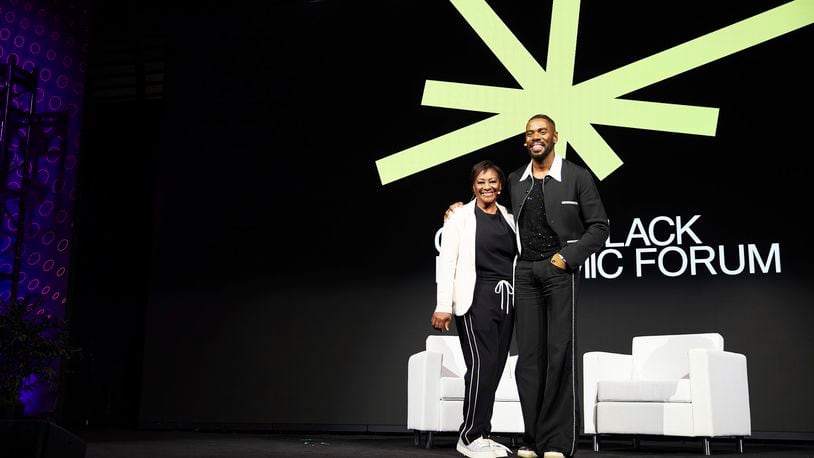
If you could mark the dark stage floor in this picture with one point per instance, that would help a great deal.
(187, 444)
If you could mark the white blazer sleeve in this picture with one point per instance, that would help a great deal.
(448, 259)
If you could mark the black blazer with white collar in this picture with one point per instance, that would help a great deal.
(574, 209)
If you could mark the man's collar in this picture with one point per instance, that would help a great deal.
(555, 171)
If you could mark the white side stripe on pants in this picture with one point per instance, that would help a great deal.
(469, 419)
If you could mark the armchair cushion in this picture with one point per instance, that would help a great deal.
(452, 388)
(644, 391)
(665, 357)
(507, 388)
(452, 355)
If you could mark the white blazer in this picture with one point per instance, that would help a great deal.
(456, 276)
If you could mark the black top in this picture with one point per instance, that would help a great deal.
(537, 239)
(495, 246)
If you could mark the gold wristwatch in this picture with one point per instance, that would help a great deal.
(558, 261)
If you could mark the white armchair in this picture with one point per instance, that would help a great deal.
(435, 391)
(671, 385)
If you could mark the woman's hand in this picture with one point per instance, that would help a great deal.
(440, 320)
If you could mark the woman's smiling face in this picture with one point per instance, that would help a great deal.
(486, 187)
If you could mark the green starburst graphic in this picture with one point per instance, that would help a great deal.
(577, 107)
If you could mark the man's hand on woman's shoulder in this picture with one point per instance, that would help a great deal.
(451, 209)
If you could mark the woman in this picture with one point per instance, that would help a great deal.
(478, 246)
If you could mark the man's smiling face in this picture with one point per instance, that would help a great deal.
(540, 138)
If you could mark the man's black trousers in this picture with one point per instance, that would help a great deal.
(545, 307)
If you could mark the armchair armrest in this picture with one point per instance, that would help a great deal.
(424, 391)
(596, 366)
(720, 393)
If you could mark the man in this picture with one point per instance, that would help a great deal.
(560, 222)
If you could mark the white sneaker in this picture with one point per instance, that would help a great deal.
(553, 455)
(499, 449)
(478, 448)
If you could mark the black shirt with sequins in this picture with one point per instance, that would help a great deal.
(537, 240)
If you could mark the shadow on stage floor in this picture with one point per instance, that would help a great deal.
(119, 443)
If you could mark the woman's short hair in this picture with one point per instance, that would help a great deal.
(483, 166)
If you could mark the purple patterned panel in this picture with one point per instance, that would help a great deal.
(47, 39)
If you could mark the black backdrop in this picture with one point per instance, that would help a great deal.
(289, 286)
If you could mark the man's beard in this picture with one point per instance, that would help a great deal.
(542, 155)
